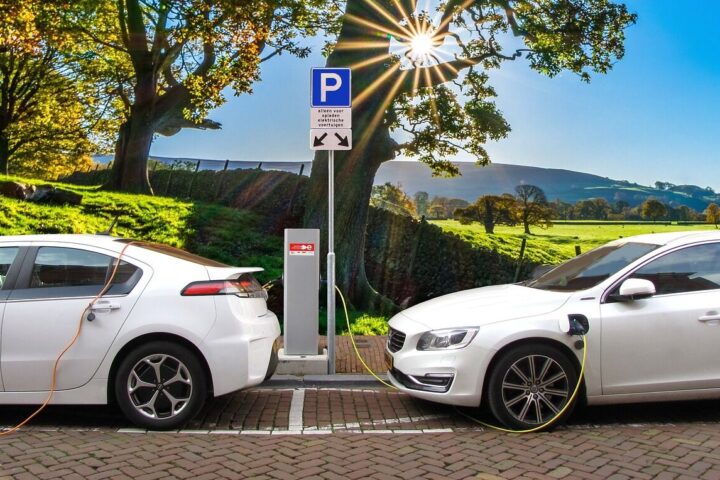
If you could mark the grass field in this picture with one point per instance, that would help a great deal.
(556, 244)
(225, 234)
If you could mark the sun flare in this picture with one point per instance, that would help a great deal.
(421, 45)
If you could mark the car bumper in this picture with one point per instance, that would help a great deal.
(453, 377)
(244, 359)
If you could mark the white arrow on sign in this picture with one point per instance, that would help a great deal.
(331, 139)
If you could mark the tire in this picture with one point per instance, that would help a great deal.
(529, 385)
(166, 403)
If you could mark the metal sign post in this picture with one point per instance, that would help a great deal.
(331, 264)
(331, 129)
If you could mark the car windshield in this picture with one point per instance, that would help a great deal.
(588, 270)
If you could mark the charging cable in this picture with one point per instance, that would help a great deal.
(487, 425)
(53, 381)
(357, 352)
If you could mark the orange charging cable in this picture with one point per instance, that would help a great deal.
(53, 381)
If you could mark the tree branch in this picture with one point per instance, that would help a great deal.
(434, 75)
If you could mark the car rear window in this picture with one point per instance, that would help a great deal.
(173, 252)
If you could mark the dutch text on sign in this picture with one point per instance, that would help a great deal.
(306, 249)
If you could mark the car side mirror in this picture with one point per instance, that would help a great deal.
(635, 289)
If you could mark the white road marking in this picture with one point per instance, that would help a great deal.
(295, 417)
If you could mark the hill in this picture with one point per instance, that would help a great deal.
(566, 185)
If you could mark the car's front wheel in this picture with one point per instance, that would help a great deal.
(531, 385)
(160, 385)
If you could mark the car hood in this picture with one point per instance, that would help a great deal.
(481, 306)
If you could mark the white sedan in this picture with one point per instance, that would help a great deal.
(652, 303)
(173, 329)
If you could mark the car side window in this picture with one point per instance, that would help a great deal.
(71, 267)
(690, 269)
(7, 256)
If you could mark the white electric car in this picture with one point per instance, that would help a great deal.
(173, 328)
(652, 303)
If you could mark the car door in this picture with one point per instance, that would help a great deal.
(667, 342)
(9, 255)
(42, 313)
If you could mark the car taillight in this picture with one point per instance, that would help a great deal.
(244, 286)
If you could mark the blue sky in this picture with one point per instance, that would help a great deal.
(655, 116)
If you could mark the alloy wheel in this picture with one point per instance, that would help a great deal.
(160, 386)
(534, 389)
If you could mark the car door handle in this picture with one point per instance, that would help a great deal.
(709, 318)
(104, 306)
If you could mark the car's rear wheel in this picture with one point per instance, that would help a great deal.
(160, 385)
(531, 385)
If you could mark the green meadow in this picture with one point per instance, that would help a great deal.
(557, 243)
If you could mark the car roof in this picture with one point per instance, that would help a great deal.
(674, 238)
(86, 239)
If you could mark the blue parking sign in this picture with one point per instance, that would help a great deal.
(331, 88)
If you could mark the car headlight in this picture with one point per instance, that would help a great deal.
(447, 339)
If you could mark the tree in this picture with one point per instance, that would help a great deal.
(421, 203)
(45, 118)
(533, 208)
(491, 210)
(653, 209)
(170, 60)
(593, 209)
(443, 103)
(392, 198)
(712, 214)
(620, 206)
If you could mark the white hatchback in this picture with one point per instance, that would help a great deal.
(652, 303)
(172, 329)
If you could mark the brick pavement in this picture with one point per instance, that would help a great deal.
(682, 452)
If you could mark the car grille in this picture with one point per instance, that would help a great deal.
(396, 340)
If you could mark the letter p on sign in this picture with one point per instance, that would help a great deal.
(331, 87)
(326, 86)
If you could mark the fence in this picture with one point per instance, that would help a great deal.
(185, 178)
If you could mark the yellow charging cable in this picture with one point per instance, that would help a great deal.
(487, 425)
(53, 378)
(357, 352)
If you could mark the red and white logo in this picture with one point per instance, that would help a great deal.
(302, 249)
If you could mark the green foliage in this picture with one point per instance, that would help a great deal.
(411, 261)
(367, 325)
(224, 234)
(712, 214)
(47, 127)
(653, 210)
(393, 199)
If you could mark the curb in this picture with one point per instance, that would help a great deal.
(327, 381)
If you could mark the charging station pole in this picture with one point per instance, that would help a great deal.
(331, 264)
(331, 129)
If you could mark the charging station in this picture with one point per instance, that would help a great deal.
(300, 354)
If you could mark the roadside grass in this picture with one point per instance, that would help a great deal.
(224, 234)
(557, 243)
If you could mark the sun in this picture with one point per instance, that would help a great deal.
(421, 45)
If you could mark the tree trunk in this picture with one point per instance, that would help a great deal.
(354, 170)
(4, 153)
(129, 171)
(489, 217)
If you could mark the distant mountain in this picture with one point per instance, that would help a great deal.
(566, 185)
(495, 179)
